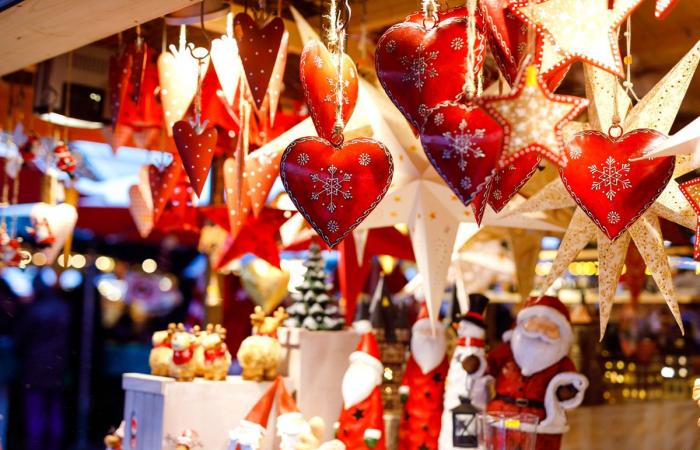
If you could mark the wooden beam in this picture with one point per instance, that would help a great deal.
(36, 30)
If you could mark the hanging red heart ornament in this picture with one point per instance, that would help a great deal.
(258, 48)
(421, 67)
(335, 188)
(163, 182)
(613, 191)
(319, 79)
(507, 36)
(463, 143)
(196, 150)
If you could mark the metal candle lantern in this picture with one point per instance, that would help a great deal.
(464, 420)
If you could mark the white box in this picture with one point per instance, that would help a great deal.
(315, 362)
(164, 408)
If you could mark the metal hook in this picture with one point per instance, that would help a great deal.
(204, 33)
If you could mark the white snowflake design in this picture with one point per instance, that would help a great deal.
(439, 119)
(332, 226)
(332, 95)
(391, 46)
(575, 152)
(318, 61)
(465, 183)
(420, 67)
(457, 44)
(303, 158)
(331, 187)
(613, 217)
(463, 143)
(364, 159)
(611, 177)
(497, 194)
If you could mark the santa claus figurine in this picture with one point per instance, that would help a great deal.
(65, 161)
(532, 372)
(423, 385)
(41, 232)
(459, 383)
(249, 434)
(361, 422)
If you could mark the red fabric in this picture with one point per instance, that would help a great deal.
(550, 302)
(470, 342)
(215, 353)
(422, 412)
(183, 356)
(368, 344)
(354, 421)
(510, 382)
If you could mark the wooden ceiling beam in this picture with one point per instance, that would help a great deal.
(36, 30)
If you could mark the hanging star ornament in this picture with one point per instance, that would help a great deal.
(532, 118)
(570, 30)
(656, 111)
(691, 190)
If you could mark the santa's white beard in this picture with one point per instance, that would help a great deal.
(534, 352)
(358, 382)
(427, 351)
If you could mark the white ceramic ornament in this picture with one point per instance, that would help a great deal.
(227, 63)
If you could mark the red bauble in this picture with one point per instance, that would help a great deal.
(611, 189)
(196, 151)
(335, 188)
(464, 144)
(319, 80)
(420, 67)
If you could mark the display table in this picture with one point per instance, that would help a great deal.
(663, 425)
(315, 362)
(162, 408)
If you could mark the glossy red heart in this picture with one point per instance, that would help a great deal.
(163, 182)
(196, 151)
(613, 191)
(319, 80)
(507, 36)
(463, 142)
(421, 67)
(335, 188)
(258, 49)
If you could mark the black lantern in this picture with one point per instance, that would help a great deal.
(464, 420)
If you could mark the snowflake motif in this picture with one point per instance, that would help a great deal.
(439, 119)
(332, 95)
(465, 183)
(318, 61)
(391, 46)
(457, 44)
(463, 144)
(332, 226)
(610, 177)
(364, 159)
(303, 158)
(575, 152)
(423, 110)
(613, 217)
(497, 195)
(332, 187)
(420, 67)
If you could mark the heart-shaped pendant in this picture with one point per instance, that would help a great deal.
(319, 80)
(463, 142)
(335, 188)
(196, 150)
(163, 182)
(259, 48)
(420, 67)
(613, 191)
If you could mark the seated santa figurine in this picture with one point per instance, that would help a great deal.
(532, 371)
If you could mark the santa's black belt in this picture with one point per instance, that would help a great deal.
(521, 402)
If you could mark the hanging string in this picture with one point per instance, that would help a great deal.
(629, 87)
(469, 86)
(430, 11)
(336, 40)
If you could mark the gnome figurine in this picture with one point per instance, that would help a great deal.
(361, 422)
(533, 373)
(250, 433)
(459, 383)
(423, 385)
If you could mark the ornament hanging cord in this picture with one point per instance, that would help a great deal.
(629, 86)
(336, 40)
(430, 12)
(470, 88)
(198, 125)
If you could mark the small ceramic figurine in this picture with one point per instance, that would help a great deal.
(188, 440)
(40, 231)
(198, 349)
(113, 440)
(162, 351)
(182, 365)
(259, 354)
(216, 358)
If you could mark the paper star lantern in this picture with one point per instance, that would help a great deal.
(685, 142)
(532, 118)
(656, 111)
(585, 30)
(691, 191)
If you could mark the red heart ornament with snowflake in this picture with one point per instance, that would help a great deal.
(163, 182)
(463, 142)
(421, 67)
(335, 188)
(319, 80)
(258, 48)
(611, 189)
(196, 150)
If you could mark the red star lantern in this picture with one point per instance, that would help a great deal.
(663, 7)
(179, 214)
(532, 118)
(691, 191)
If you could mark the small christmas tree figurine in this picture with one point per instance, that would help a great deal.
(313, 307)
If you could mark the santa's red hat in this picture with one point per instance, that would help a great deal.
(553, 309)
(423, 314)
(260, 413)
(368, 352)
